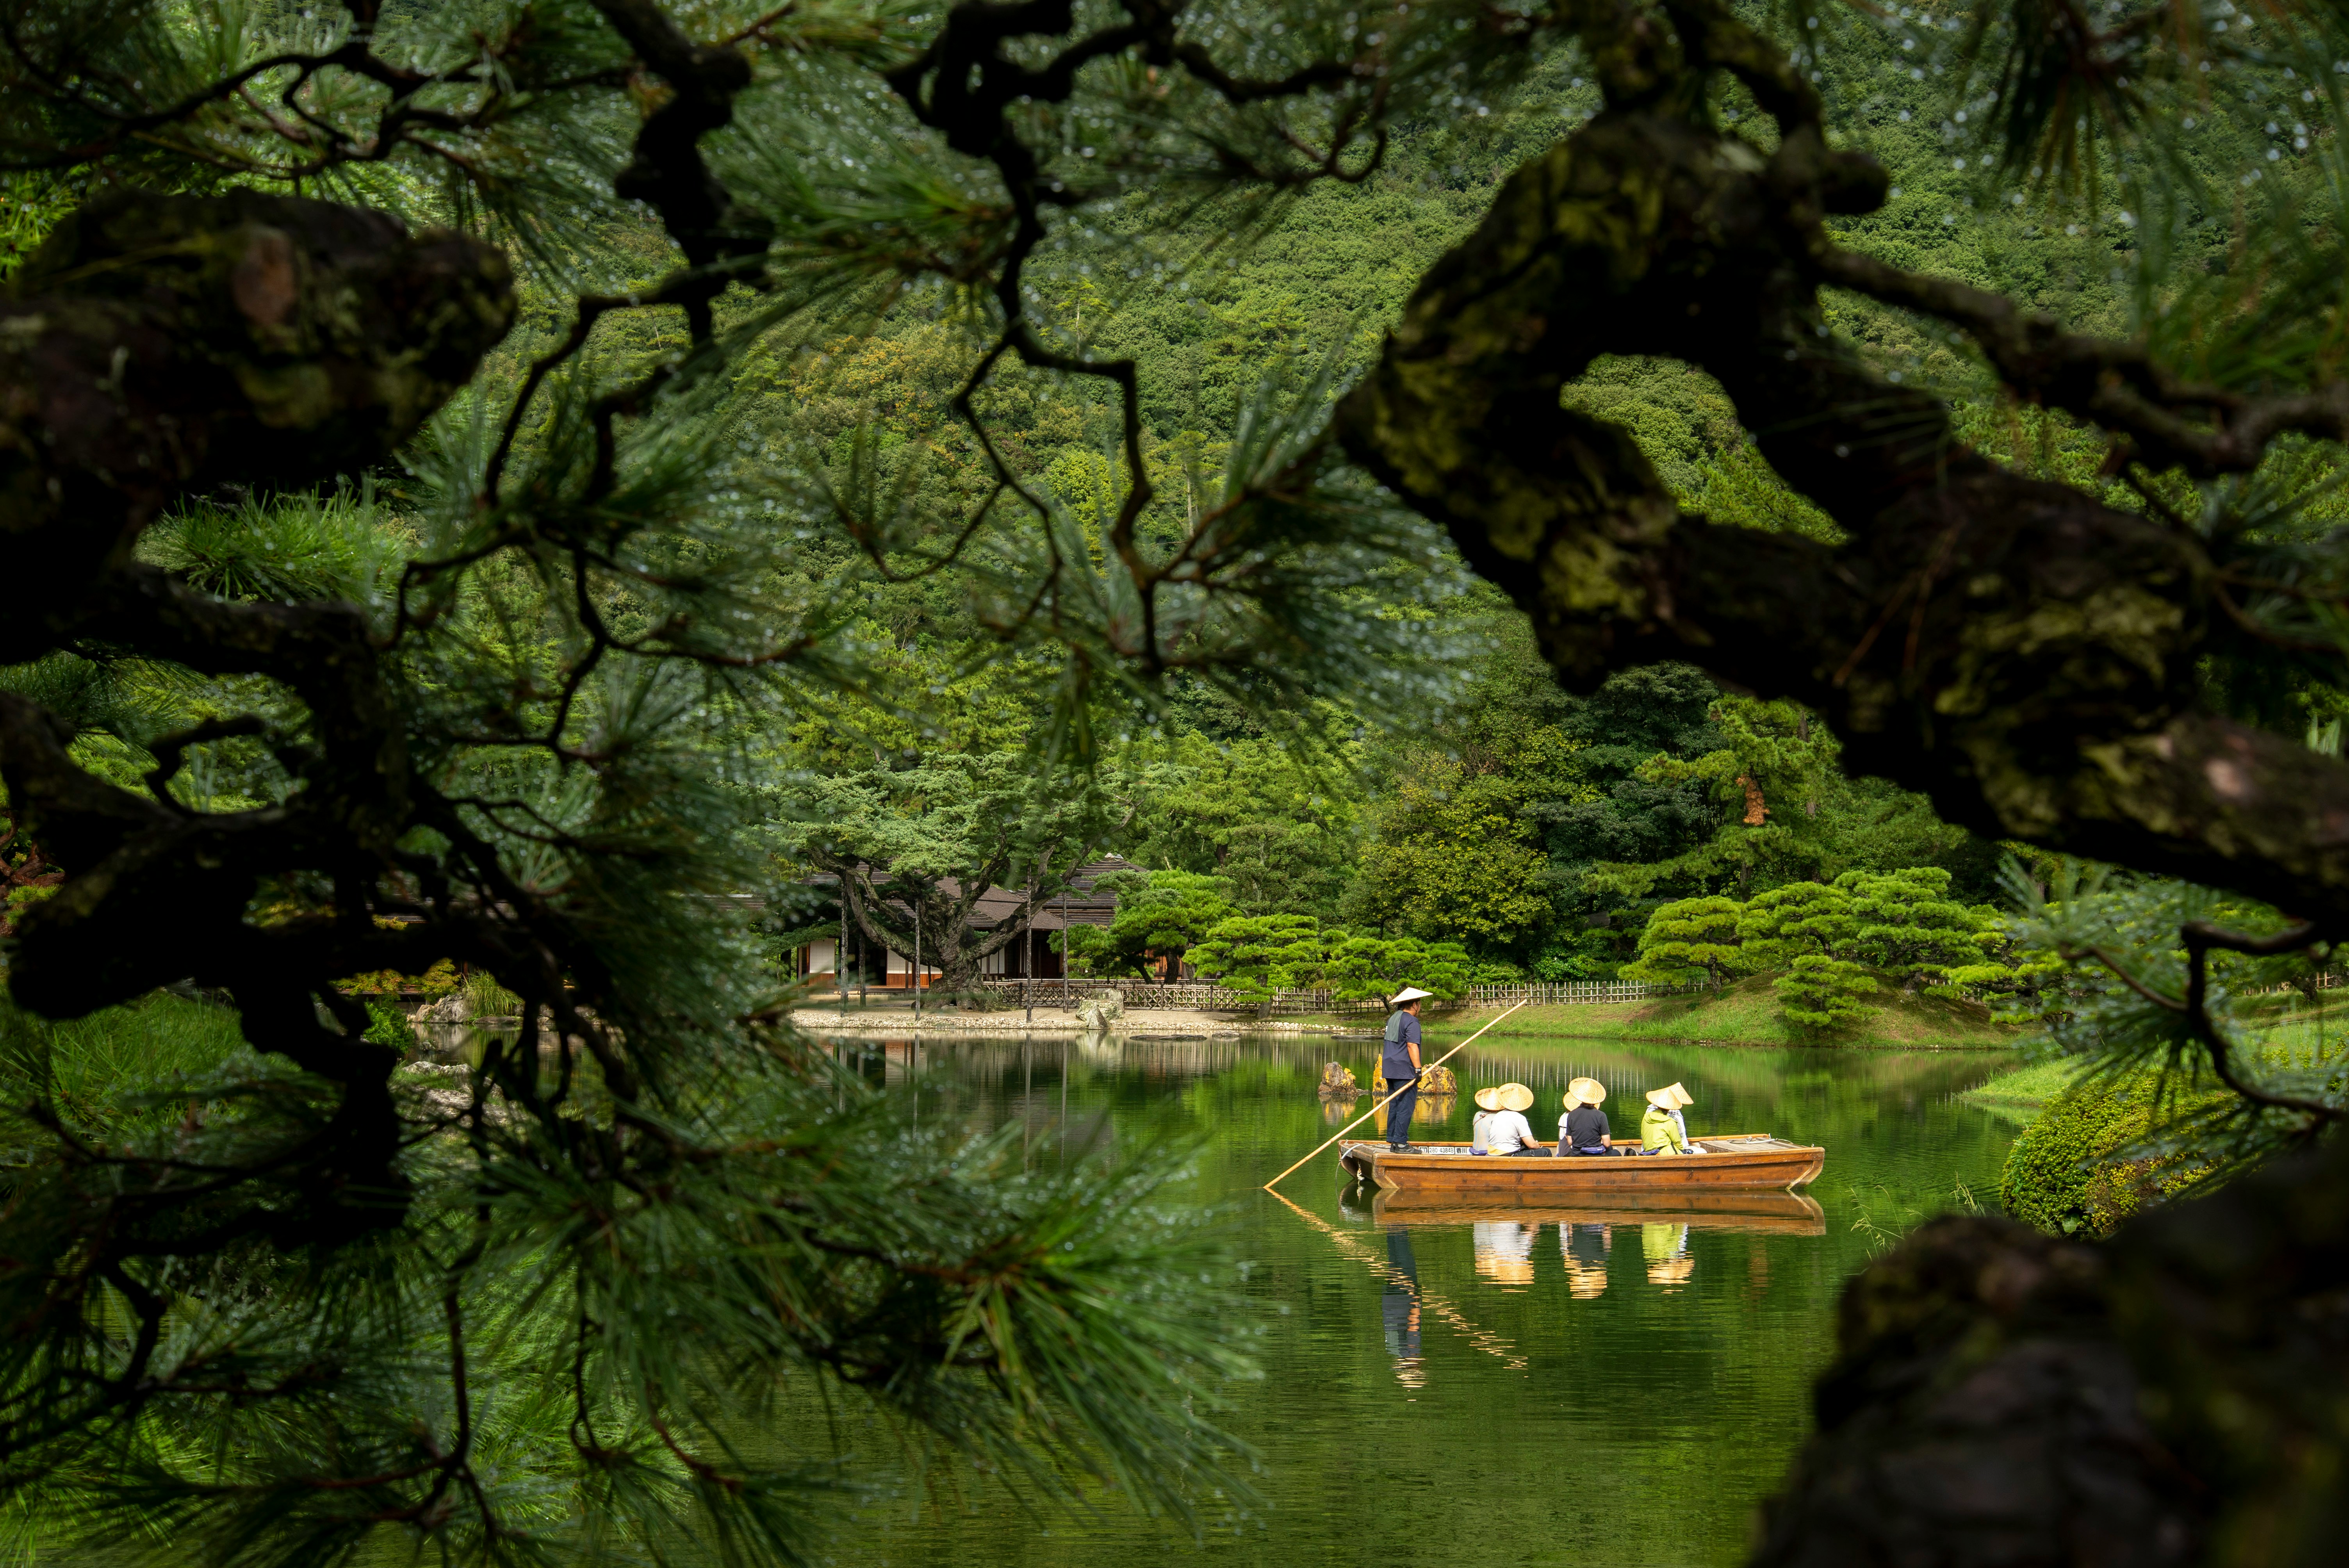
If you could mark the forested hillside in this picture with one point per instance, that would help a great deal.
(1476, 802)
(1464, 796)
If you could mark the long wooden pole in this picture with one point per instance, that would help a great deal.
(1383, 1104)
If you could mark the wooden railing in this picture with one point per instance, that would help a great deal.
(1140, 993)
(1568, 993)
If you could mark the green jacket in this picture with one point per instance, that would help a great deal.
(1659, 1130)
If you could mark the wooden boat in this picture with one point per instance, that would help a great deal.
(1738, 1209)
(1751, 1161)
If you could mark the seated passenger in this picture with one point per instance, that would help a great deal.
(1480, 1141)
(1584, 1130)
(1662, 1129)
(1506, 1132)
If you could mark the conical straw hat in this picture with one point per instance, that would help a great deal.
(1515, 1096)
(1672, 1096)
(1488, 1098)
(1584, 1092)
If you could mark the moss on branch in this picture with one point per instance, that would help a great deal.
(2023, 654)
(157, 346)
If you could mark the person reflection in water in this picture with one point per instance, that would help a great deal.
(1399, 1308)
(1505, 1250)
(1585, 1248)
(1669, 1263)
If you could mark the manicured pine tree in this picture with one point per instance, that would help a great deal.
(1692, 937)
(1261, 956)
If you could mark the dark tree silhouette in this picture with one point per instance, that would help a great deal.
(486, 765)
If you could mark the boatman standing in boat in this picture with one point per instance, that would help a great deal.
(1399, 1065)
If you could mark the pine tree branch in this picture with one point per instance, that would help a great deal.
(1648, 233)
(2119, 386)
(972, 83)
(668, 169)
(2203, 938)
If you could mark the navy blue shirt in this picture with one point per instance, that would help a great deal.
(1402, 1032)
(1586, 1127)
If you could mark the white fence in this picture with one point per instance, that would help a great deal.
(1141, 994)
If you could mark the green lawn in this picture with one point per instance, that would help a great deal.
(2293, 1035)
(2019, 1095)
(1745, 1014)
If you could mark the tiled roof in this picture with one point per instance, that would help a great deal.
(997, 904)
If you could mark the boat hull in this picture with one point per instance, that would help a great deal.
(1752, 1163)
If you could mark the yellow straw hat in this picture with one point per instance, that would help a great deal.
(1584, 1092)
(1515, 1096)
(1488, 1098)
(1672, 1096)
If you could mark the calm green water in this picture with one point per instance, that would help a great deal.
(1463, 1389)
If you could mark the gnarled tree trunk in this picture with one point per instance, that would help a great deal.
(2172, 1396)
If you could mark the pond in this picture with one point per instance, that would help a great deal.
(1460, 1387)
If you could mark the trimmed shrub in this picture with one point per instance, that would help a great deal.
(1690, 937)
(2069, 1172)
(388, 1024)
(1822, 993)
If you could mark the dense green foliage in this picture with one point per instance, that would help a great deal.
(1374, 969)
(1691, 936)
(2096, 1154)
(841, 439)
(1833, 943)
(1160, 915)
(1821, 990)
(1261, 955)
(1258, 956)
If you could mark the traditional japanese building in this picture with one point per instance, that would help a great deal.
(818, 962)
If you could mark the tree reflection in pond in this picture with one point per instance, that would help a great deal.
(1392, 1332)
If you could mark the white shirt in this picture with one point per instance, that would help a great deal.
(1506, 1132)
(1480, 1133)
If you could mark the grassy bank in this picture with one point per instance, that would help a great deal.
(2027, 1089)
(2289, 1034)
(1745, 1014)
(2019, 1095)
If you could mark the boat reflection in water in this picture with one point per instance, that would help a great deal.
(1752, 1213)
(1504, 1235)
